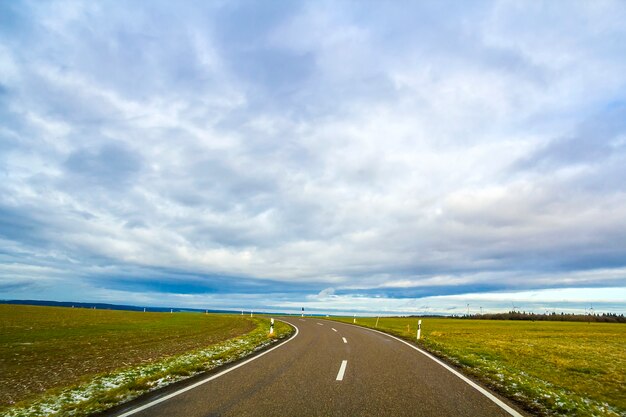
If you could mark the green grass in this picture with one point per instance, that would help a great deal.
(551, 368)
(79, 361)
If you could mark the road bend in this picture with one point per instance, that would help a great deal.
(328, 369)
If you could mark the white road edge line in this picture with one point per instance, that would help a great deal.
(320, 324)
(342, 370)
(211, 378)
(334, 330)
(344, 340)
(471, 383)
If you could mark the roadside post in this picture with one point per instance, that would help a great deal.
(271, 326)
(302, 312)
(354, 320)
(377, 318)
(419, 329)
(250, 313)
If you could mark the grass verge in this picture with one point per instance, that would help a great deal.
(549, 368)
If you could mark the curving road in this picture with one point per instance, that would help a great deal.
(328, 369)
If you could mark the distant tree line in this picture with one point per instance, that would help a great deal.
(554, 316)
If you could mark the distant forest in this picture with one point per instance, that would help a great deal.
(522, 315)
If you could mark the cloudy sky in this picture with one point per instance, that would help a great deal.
(342, 156)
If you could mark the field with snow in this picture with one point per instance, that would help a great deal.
(68, 361)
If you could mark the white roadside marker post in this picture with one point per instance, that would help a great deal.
(250, 313)
(271, 326)
(419, 329)
(354, 320)
(171, 310)
(302, 312)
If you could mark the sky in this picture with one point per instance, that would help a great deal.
(343, 156)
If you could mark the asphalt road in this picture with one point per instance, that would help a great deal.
(348, 371)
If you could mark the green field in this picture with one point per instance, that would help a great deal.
(44, 350)
(551, 368)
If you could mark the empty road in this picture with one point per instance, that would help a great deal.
(328, 369)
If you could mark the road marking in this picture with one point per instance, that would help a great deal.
(334, 330)
(211, 378)
(344, 340)
(471, 383)
(302, 319)
(342, 370)
(320, 324)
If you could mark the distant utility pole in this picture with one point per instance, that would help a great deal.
(481, 311)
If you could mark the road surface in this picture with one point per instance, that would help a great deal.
(327, 369)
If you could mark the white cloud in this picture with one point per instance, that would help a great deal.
(325, 146)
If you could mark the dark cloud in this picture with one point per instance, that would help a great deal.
(20, 224)
(17, 286)
(181, 283)
(596, 141)
(111, 166)
(243, 31)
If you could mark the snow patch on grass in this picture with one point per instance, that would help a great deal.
(540, 396)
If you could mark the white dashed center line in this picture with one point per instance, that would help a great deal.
(334, 330)
(342, 370)
(320, 324)
(344, 340)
